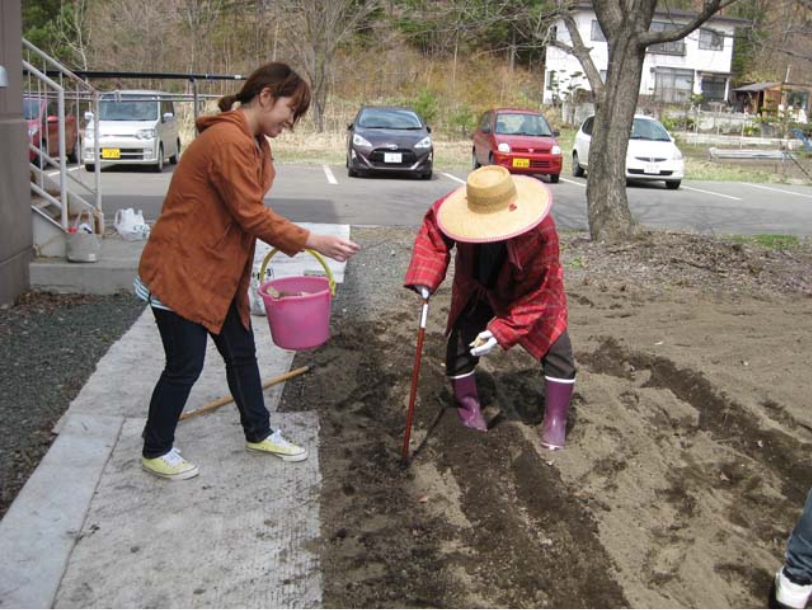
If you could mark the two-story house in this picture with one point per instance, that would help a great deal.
(699, 64)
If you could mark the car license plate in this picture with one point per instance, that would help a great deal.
(651, 168)
(522, 163)
(111, 153)
(393, 157)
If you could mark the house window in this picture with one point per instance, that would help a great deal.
(666, 48)
(597, 32)
(553, 33)
(711, 40)
(713, 88)
(551, 82)
(672, 85)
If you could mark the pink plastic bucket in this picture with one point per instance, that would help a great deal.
(298, 322)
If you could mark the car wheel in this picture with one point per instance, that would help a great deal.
(490, 159)
(427, 175)
(577, 170)
(476, 164)
(176, 157)
(89, 167)
(159, 166)
(554, 178)
(673, 184)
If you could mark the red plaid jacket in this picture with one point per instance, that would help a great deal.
(528, 299)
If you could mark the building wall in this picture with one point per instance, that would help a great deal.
(16, 234)
(699, 61)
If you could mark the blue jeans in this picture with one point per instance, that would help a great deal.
(185, 347)
(798, 566)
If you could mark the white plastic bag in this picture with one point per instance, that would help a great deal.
(255, 301)
(131, 225)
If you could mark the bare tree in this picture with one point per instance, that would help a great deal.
(315, 30)
(625, 25)
(71, 31)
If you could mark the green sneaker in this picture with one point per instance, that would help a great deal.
(170, 466)
(277, 445)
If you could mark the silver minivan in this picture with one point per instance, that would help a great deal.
(135, 127)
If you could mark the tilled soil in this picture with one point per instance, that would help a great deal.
(689, 436)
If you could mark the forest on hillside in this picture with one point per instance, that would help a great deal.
(449, 58)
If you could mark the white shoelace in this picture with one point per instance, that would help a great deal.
(173, 458)
(280, 440)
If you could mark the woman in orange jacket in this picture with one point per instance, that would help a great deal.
(195, 269)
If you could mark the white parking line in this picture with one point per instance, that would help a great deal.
(581, 184)
(767, 188)
(690, 188)
(55, 172)
(460, 180)
(329, 173)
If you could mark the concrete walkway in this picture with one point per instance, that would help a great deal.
(91, 529)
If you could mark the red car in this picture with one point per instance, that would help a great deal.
(43, 129)
(520, 140)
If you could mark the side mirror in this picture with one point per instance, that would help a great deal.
(52, 118)
(349, 126)
(428, 128)
(556, 133)
(88, 116)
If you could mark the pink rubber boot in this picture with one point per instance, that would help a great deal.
(467, 399)
(558, 394)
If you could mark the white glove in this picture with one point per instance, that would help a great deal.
(483, 344)
(423, 290)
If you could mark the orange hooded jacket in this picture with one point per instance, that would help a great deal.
(201, 250)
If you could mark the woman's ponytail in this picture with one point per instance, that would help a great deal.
(226, 102)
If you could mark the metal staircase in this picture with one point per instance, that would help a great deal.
(63, 196)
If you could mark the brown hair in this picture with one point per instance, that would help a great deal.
(281, 79)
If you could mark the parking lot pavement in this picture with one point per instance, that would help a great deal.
(326, 194)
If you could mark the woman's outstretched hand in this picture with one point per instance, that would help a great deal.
(337, 248)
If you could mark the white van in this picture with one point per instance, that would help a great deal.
(135, 127)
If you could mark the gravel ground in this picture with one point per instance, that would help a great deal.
(50, 345)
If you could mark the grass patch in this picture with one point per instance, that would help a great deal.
(769, 242)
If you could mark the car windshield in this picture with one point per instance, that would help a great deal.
(128, 109)
(373, 118)
(522, 125)
(31, 109)
(645, 129)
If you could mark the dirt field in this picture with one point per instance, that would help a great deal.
(688, 455)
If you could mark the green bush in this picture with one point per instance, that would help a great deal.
(427, 105)
(462, 121)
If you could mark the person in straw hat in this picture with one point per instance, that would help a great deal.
(507, 288)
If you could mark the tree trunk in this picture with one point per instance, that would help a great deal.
(608, 208)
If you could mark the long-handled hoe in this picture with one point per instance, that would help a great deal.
(415, 375)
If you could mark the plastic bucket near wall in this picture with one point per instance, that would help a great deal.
(298, 308)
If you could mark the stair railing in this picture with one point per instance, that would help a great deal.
(48, 80)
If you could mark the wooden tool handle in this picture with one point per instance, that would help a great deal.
(227, 399)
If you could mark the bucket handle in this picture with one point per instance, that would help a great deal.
(331, 281)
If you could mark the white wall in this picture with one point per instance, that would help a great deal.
(695, 59)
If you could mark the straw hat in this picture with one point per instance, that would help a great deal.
(494, 206)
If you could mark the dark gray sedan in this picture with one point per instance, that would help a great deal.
(389, 139)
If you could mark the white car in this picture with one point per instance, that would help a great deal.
(135, 127)
(652, 154)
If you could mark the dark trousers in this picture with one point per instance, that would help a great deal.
(558, 362)
(185, 347)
